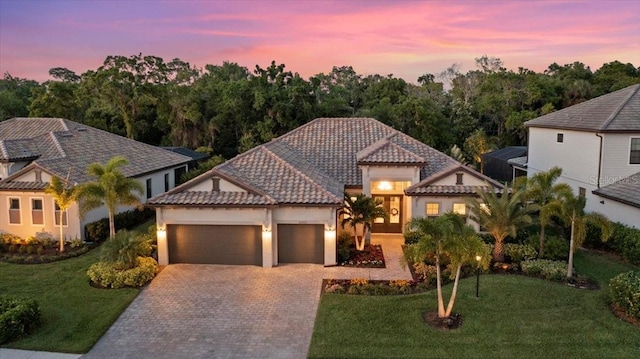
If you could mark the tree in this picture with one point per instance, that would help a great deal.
(111, 188)
(570, 209)
(500, 214)
(446, 236)
(359, 214)
(64, 195)
(542, 189)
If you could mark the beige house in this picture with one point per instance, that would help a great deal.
(597, 145)
(32, 150)
(279, 202)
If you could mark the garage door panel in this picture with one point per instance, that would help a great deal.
(202, 244)
(301, 243)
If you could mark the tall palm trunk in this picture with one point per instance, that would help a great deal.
(441, 311)
(570, 268)
(498, 252)
(112, 225)
(61, 231)
(452, 299)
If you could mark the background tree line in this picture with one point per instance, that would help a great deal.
(228, 109)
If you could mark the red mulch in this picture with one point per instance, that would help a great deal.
(370, 257)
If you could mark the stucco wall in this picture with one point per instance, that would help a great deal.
(207, 185)
(446, 205)
(615, 157)
(619, 212)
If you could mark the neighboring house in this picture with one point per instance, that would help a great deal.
(278, 202)
(597, 145)
(196, 157)
(32, 150)
(497, 165)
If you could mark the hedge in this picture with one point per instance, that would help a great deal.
(18, 317)
(98, 231)
(624, 290)
(106, 275)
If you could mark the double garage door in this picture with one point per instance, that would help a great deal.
(222, 244)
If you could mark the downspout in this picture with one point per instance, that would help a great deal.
(599, 162)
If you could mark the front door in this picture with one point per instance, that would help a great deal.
(393, 222)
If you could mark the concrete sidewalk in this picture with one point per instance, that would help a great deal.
(29, 354)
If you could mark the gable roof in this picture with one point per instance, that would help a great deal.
(618, 111)
(313, 163)
(626, 190)
(427, 186)
(60, 146)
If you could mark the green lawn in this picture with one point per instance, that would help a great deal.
(515, 317)
(75, 315)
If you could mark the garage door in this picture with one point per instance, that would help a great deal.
(301, 243)
(215, 244)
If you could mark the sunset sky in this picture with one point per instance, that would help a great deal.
(403, 38)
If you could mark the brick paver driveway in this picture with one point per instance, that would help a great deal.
(216, 311)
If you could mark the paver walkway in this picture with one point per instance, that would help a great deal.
(217, 311)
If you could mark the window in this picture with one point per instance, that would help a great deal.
(459, 178)
(149, 189)
(634, 153)
(433, 209)
(460, 208)
(57, 215)
(14, 210)
(37, 214)
(166, 182)
(215, 184)
(38, 176)
(560, 138)
(582, 192)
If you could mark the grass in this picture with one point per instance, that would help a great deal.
(515, 317)
(75, 315)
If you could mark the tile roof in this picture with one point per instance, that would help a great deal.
(626, 190)
(312, 164)
(210, 198)
(386, 152)
(427, 186)
(23, 186)
(616, 111)
(64, 146)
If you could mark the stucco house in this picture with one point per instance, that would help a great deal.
(33, 150)
(597, 145)
(278, 202)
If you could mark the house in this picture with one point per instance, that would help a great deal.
(497, 165)
(32, 150)
(279, 202)
(196, 157)
(597, 145)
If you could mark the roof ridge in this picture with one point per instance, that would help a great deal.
(64, 123)
(289, 165)
(372, 148)
(622, 105)
(57, 144)
(3, 149)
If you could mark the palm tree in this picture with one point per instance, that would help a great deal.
(111, 188)
(571, 211)
(64, 195)
(500, 214)
(541, 189)
(124, 249)
(444, 236)
(359, 213)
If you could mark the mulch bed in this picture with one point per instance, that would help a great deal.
(452, 322)
(49, 254)
(370, 257)
(619, 312)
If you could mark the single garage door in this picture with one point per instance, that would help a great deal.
(203, 244)
(301, 243)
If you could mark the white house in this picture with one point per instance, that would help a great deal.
(597, 145)
(278, 202)
(33, 150)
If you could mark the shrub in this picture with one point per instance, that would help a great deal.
(40, 250)
(98, 231)
(624, 290)
(8, 238)
(344, 241)
(13, 248)
(107, 274)
(30, 249)
(18, 317)
(411, 237)
(519, 252)
(359, 281)
(426, 272)
(555, 248)
(626, 241)
(545, 268)
(124, 249)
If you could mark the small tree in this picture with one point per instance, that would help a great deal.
(111, 188)
(500, 214)
(571, 211)
(359, 214)
(442, 237)
(124, 249)
(64, 195)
